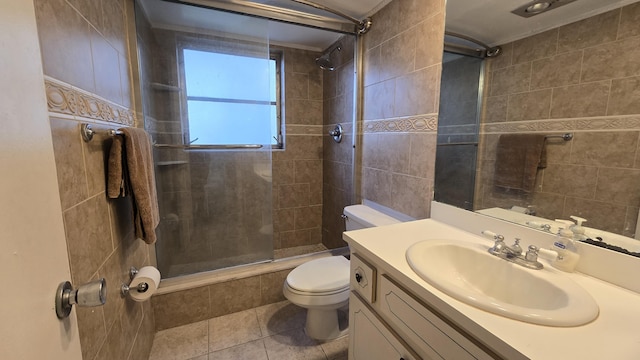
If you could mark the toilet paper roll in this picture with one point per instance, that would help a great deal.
(149, 275)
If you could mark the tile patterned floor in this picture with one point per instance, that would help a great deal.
(270, 332)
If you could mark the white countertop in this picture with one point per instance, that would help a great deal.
(614, 335)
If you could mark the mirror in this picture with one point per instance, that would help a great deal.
(571, 70)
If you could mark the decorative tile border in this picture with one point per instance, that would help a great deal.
(627, 122)
(65, 99)
(422, 123)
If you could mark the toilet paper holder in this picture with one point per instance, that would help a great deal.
(142, 287)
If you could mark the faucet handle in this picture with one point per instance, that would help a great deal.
(491, 235)
(532, 254)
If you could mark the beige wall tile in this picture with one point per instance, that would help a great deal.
(91, 10)
(560, 70)
(399, 55)
(411, 195)
(535, 47)
(394, 151)
(495, 109)
(600, 215)
(376, 185)
(88, 237)
(67, 146)
(304, 112)
(416, 93)
(589, 32)
(533, 105)
(612, 60)
(91, 330)
(294, 195)
(512, 79)
(371, 65)
(107, 68)
(233, 296)
(308, 171)
(308, 217)
(65, 43)
(582, 100)
(571, 180)
(624, 96)
(271, 287)
(430, 45)
(620, 186)
(284, 219)
(610, 149)
(113, 26)
(116, 345)
(422, 155)
(297, 86)
(184, 307)
(379, 100)
(629, 20)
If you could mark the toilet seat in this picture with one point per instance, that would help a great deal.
(324, 276)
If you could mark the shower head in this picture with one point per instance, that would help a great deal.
(324, 61)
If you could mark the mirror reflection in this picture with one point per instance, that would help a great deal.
(572, 70)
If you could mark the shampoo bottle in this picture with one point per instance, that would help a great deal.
(567, 250)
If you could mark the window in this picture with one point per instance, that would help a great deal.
(232, 99)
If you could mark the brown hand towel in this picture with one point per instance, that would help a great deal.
(131, 167)
(518, 158)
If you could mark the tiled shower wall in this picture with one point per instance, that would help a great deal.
(402, 62)
(297, 170)
(338, 108)
(86, 61)
(582, 78)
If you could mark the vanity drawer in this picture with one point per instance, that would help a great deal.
(433, 337)
(363, 278)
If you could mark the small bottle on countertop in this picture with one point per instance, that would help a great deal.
(567, 250)
(577, 229)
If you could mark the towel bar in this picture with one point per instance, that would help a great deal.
(565, 137)
(87, 132)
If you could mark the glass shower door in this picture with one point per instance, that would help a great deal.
(211, 106)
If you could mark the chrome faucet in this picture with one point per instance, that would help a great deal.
(513, 253)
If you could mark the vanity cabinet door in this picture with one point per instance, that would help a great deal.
(430, 335)
(369, 337)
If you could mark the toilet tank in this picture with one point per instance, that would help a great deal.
(362, 216)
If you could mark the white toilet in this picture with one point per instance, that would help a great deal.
(322, 285)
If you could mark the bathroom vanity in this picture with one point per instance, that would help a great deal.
(395, 314)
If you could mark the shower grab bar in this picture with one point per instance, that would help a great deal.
(208, 147)
(458, 143)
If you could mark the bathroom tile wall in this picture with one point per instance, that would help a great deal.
(583, 78)
(297, 170)
(206, 302)
(337, 171)
(85, 56)
(402, 63)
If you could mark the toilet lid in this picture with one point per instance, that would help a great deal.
(320, 275)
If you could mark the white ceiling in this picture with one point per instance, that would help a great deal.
(492, 22)
(489, 21)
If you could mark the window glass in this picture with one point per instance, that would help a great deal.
(231, 99)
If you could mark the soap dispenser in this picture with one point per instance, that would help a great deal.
(567, 250)
(578, 230)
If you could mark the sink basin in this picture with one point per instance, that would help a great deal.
(467, 272)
